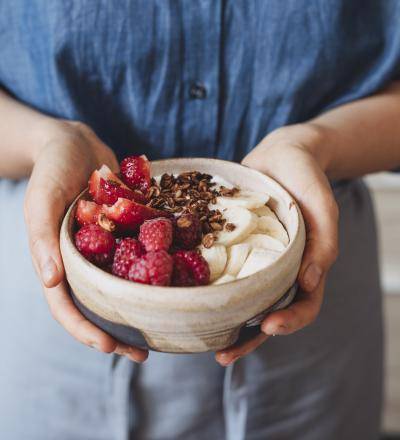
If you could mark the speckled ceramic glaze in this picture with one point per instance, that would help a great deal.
(194, 319)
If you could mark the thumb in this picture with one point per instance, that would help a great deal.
(44, 207)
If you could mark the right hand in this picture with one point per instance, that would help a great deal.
(61, 170)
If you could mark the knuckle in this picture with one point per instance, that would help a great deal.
(332, 252)
(79, 331)
(55, 314)
(106, 345)
(27, 206)
(333, 208)
(79, 126)
(35, 244)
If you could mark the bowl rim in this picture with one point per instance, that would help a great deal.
(170, 290)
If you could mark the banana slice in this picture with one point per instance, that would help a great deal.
(265, 210)
(224, 279)
(244, 199)
(264, 241)
(273, 227)
(216, 258)
(257, 260)
(237, 255)
(244, 222)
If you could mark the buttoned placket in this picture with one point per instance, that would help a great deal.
(200, 67)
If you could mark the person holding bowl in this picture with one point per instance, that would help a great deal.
(306, 92)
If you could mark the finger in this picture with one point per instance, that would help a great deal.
(132, 353)
(44, 207)
(321, 218)
(65, 312)
(236, 351)
(298, 315)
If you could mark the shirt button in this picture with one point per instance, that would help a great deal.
(197, 91)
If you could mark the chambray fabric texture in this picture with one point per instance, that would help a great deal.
(195, 78)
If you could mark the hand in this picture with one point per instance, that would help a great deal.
(292, 156)
(61, 170)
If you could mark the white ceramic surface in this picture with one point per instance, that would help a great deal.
(194, 319)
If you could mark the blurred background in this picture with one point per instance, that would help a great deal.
(385, 188)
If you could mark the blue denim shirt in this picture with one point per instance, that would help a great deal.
(195, 78)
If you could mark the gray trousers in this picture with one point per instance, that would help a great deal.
(322, 383)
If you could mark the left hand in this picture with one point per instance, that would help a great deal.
(293, 157)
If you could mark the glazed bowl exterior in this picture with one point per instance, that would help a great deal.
(191, 319)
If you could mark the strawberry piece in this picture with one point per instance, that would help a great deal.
(129, 215)
(87, 212)
(126, 252)
(95, 244)
(154, 268)
(196, 266)
(156, 234)
(187, 231)
(106, 187)
(135, 172)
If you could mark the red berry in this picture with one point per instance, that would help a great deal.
(181, 274)
(95, 244)
(187, 231)
(129, 215)
(106, 187)
(196, 265)
(156, 234)
(127, 250)
(87, 212)
(135, 172)
(154, 268)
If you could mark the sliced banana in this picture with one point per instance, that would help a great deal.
(244, 222)
(265, 210)
(224, 279)
(274, 228)
(237, 255)
(244, 199)
(257, 260)
(264, 241)
(216, 258)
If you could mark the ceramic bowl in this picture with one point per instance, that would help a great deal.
(194, 319)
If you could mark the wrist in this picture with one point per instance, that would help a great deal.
(310, 137)
(45, 131)
(51, 131)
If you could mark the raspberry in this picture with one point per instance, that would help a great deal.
(135, 172)
(187, 231)
(196, 265)
(87, 212)
(156, 234)
(181, 274)
(95, 244)
(127, 250)
(154, 268)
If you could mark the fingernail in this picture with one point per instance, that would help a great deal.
(233, 360)
(224, 356)
(134, 359)
(312, 276)
(273, 330)
(48, 271)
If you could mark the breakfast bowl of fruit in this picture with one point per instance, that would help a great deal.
(181, 255)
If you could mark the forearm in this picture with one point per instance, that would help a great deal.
(351, 140)
(361, 137)
(22, 132)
